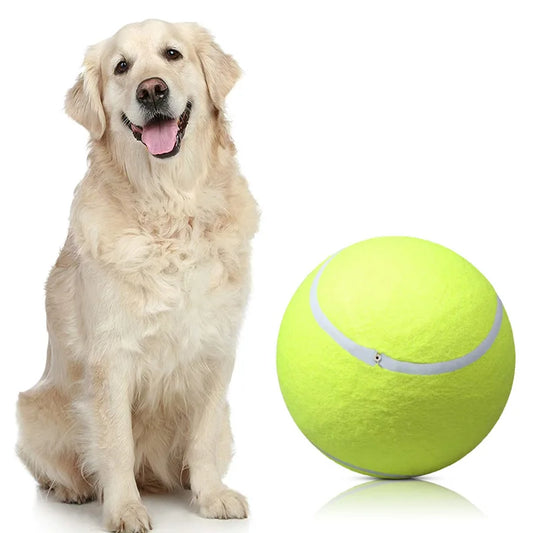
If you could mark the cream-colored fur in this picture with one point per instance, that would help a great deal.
(145, 300)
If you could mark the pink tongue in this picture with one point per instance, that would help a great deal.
(160, 138)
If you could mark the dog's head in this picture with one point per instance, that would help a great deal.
(149, 84)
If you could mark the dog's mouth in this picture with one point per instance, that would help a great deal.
(162, 134)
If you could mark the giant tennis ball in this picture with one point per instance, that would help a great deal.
(395, 357)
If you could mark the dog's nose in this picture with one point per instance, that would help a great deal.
(152, 92)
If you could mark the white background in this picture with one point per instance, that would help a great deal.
(352, 120)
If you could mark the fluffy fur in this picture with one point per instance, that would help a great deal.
(145, 300)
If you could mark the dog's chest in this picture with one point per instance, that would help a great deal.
(197, 285)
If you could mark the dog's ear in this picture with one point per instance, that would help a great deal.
(84, 101)
(221, 71)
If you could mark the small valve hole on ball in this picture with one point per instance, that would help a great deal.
(377, 358)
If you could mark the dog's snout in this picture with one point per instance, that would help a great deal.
(152, 92)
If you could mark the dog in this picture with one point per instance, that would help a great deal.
(146, 298)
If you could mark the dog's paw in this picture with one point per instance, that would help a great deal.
(224, 503)
(129, 518)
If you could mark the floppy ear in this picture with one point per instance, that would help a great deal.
(221, 71)
(84, 102)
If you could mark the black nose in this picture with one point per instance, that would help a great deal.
(152, 92)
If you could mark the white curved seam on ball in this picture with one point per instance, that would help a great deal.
(372, 357)
(365, 470)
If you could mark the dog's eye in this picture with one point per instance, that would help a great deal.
(121, 67)
(172, 54)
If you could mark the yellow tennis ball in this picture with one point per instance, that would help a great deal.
(395, 357)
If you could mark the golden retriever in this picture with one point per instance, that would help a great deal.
(146, 298)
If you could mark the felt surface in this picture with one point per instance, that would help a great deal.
(415, 301)
(411, 299)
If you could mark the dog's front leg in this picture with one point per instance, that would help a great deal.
(209, 422)
(111, 447)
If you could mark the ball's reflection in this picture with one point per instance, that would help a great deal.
(409, 498)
